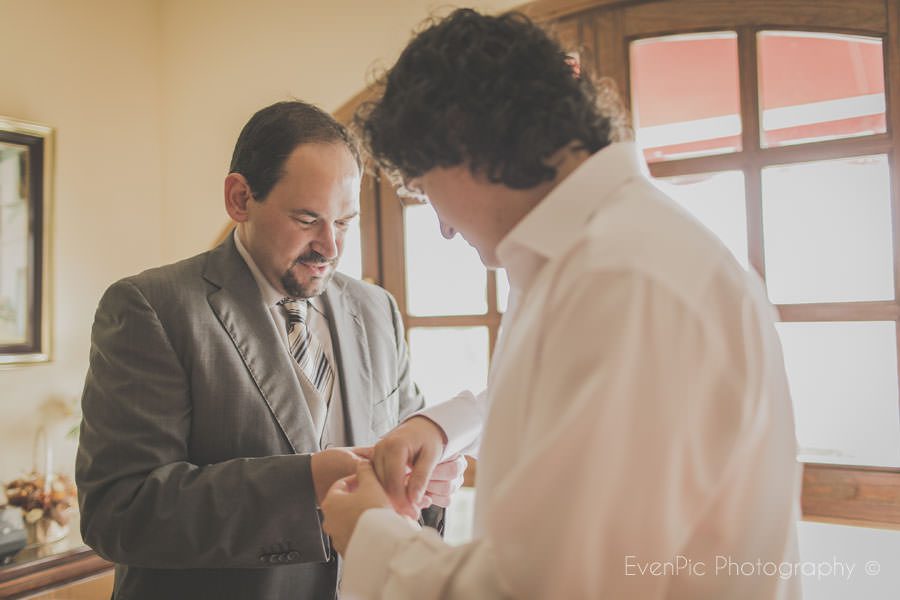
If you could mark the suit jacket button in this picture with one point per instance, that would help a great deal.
(293, 555)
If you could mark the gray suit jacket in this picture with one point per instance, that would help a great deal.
(193, 465)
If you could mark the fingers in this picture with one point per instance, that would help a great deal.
(365, 474)
(421, 472)
(343, 486)
(363, 451)
(391, 460)
(450, 469)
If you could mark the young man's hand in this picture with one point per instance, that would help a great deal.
(404, 460)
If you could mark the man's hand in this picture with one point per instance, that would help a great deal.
(446, 478)
(330, 465)
(404, 459)
(347, 500)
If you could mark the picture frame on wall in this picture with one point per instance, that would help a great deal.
(26, 168)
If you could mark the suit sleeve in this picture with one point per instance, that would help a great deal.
(143, 503)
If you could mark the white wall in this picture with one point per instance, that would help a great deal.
(90, 69)
(147, 97)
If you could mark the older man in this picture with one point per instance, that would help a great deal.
(224, 390)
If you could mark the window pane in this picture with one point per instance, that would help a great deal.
(717, 201)
(819, 86)
(841, 546)
(351, 259)
(443, 277)
(446, 360)
(827, 228)
(843, 379)
(502, 290)
(685, 95)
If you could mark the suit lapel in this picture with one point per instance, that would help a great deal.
(238, 305)
(351, 350)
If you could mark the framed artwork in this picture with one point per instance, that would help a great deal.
(26, 168)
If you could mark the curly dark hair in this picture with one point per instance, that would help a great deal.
(497, 93)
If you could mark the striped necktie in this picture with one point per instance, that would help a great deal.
(305, 349)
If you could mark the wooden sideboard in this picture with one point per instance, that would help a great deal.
(66, 564)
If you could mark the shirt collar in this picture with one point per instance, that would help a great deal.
(556, 222)
(270, 295)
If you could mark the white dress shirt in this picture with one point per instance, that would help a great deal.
(317, 322)
(639, 440)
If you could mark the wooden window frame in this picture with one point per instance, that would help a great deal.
(601, 30)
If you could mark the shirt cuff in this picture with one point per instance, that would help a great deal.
(461, 419)
(378, 535)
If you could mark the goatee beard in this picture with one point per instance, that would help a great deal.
(315, 286)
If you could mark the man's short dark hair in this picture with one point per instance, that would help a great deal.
(496, 93)
(274, 132)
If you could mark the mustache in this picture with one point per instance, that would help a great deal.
(313, 258)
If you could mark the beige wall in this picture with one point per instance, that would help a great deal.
(147, 97)
(224, 59)
(90, 69)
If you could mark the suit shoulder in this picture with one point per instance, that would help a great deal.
(158, 283)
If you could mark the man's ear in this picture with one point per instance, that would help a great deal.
(237, 196)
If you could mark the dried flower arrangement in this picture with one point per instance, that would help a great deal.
(41, 500)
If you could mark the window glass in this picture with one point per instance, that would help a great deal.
(502, 290)
(443, 277)
(686, 95)
(446, 360)
(829, 551)
(843, 379)
(717, 201)
(827, 228)
(819, 86)
(351, 258)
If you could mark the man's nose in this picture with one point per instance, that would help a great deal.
(326, 242)
(447, 231)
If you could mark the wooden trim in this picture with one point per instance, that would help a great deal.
(859, 494)
(750, 136)
(41, 574)
(369, 226)
(611, 55)
(543, 11)
(735, 161)
(892, 99)
(392, 245)
(486, 320)
(859, 16)
(885, 310)
(780, 155)
(827, 150)
(493, 311)
(344, 114)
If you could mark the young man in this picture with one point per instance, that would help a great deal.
(636, 431)
(223, 390)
